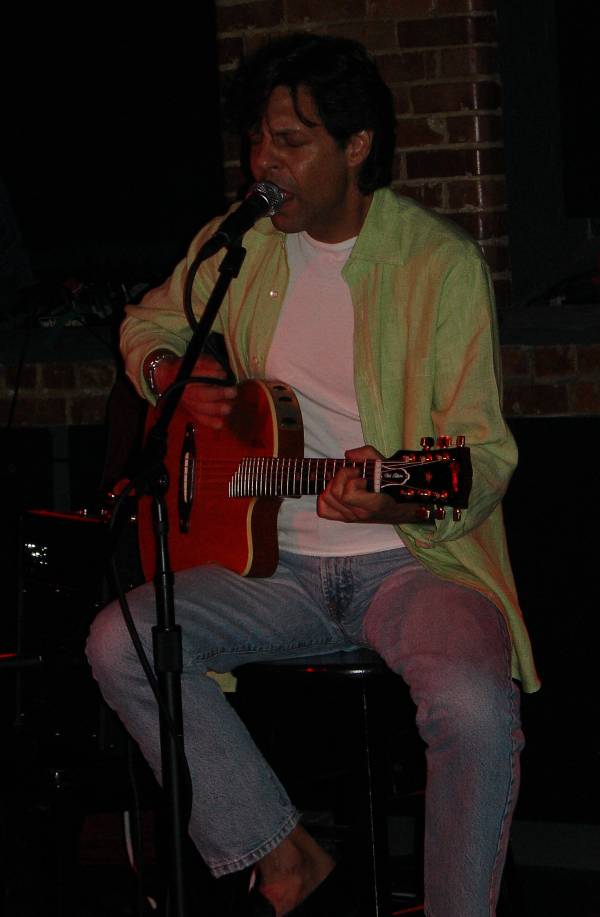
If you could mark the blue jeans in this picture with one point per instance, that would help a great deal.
(450, 645)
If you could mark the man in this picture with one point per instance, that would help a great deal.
(379, 314)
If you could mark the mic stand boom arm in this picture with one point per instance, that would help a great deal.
(166, 634)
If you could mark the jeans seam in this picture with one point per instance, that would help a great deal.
(224, 867)
(248, 649)
(497, 867)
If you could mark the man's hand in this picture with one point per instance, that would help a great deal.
(346, 499)
(209, 404)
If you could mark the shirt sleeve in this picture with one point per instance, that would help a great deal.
(467, 393)
(159, 320)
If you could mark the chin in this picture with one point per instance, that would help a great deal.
(284, 223)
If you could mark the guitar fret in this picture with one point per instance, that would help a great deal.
(262, 476)
(272, 472)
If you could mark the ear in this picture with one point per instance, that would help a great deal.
(358, 147)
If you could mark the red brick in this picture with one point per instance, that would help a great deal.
(451, 162)
(28, 378)
(447, 97)
(400, 9)
(588, 358)
(301, 10)
(95, 375)
(584, 397)
(417, 132)
(516, 362)
(41, 412)
(433, 65)
(57, 375)
(535, 400)
(89, 409)
(431, 195)
(401, 68)
(475, 128)
(481, 224)
(558, 362)
(259, 14)
(441, 32)
(255, 40)
(399, 166)
(479, 193)
(468, 61)
(376, 35)
(402, 100)
(466, 6)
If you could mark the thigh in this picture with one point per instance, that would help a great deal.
(227, 620)
(449, 642)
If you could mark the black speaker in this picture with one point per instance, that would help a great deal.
(62, 585)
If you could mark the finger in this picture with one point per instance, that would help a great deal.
(209, 368)
(363, 454)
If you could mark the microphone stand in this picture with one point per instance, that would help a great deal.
(166, 634)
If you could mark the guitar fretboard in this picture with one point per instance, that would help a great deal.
(419, 475)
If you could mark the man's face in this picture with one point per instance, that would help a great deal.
(318, 177)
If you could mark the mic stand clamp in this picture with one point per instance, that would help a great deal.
(153, 479)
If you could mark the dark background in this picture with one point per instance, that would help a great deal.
(548, 67)
(111, 153)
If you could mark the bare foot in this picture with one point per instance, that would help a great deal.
(290, 872)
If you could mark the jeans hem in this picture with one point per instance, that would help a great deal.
(248, 859)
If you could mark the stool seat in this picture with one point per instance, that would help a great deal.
(355, 664)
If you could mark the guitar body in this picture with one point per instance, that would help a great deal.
(206, 526)
(225, 487)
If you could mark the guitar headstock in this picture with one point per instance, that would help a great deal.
(436, 476)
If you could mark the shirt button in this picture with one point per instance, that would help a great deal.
(273, 294)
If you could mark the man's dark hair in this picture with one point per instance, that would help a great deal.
(345, 84)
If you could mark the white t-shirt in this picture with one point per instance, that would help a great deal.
(312, 351)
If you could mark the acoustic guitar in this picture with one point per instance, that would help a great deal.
(226, 486)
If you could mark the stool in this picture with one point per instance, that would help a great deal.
(367, 676)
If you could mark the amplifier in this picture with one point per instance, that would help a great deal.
(62, 586)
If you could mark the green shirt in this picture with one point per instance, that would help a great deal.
(426, 363)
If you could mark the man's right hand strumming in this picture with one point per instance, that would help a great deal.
(209, 404)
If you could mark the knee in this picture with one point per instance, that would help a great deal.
(108, 646)
(473, 709)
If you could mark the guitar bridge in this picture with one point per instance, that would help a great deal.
(187, 478)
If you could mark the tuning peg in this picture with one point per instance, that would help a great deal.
(456, 514)
(444, 442)
(460, 441)
(427, 442)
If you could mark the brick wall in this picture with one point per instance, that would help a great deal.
(57, 394)
(440, 59)
(561, 380)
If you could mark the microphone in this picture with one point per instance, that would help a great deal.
(263, 199)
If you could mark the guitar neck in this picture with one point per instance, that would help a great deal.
(434, 475)
(265, 476)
